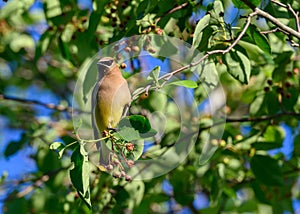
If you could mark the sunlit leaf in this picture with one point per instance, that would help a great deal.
(154, 74)
(59, 147)
(80, 174)
(203, 23)
(185, 83)
(259, 39)
(43, 44)
(238, 66)
(129, 133)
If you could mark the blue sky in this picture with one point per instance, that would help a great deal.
(20, 163)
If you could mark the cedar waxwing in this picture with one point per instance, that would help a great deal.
(110, 97)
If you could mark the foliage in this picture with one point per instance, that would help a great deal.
(255, 55)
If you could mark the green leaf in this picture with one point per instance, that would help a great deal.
(259, 39)
(208, 74)
(185, 83)
(60, 147)
(266, 170)
(145, 7)
(248, 206)
(64, 49)
(135, 127)
(129, 133)
(140, 123)
(182, 185)
(218, 9)
(77, 124)
(14, 146)
(138, 149)
(265, 104)
(154, 74)
(273, 138)
(205, 38)
(201, 25)
(274, 134)
(22, 41)
(12, 8)
(157, 101)
(80, 174)
(266, 145)
(43, 44)
(242, 5)
(136, 191)
(238, 66)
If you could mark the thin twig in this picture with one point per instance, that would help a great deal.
(172, 11)
(277, 22)
(295, 15)
(289, 7)
(35, 102)
(279, 3)
(37, 182)
(52, 106)
(273, 31)
(168, 76)
(251, 119)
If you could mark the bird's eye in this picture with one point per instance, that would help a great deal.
(107, 63)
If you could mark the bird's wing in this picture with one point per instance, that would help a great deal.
(93, 111)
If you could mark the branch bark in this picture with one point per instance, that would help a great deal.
(277, 22)
(252, 119)
(35, 102)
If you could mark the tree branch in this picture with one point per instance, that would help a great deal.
(289, 7)
(179, 7)
(277, 22)
(36, 182)
(251, 119)
(35, 102)
(168, 76)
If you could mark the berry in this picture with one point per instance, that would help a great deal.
(267, 89)
(114, 19)
(113, 10)
(60, 28)
(105, 133)
(287, 84)
(117, 174)
(127, 49)
(116, 162)
(109, 167)
(135, 49)
(270, 82)
(130, 163)
(151, 50)
(288, 95)
(130, 146)
(123, 174)
(289, 73)
(128, 178)
(123, 65)
(83, 19)
(158, 31)
(116, 47)
(279, 90)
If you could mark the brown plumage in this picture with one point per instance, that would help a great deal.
(110, 96)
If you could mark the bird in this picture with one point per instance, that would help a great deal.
(111, 98)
